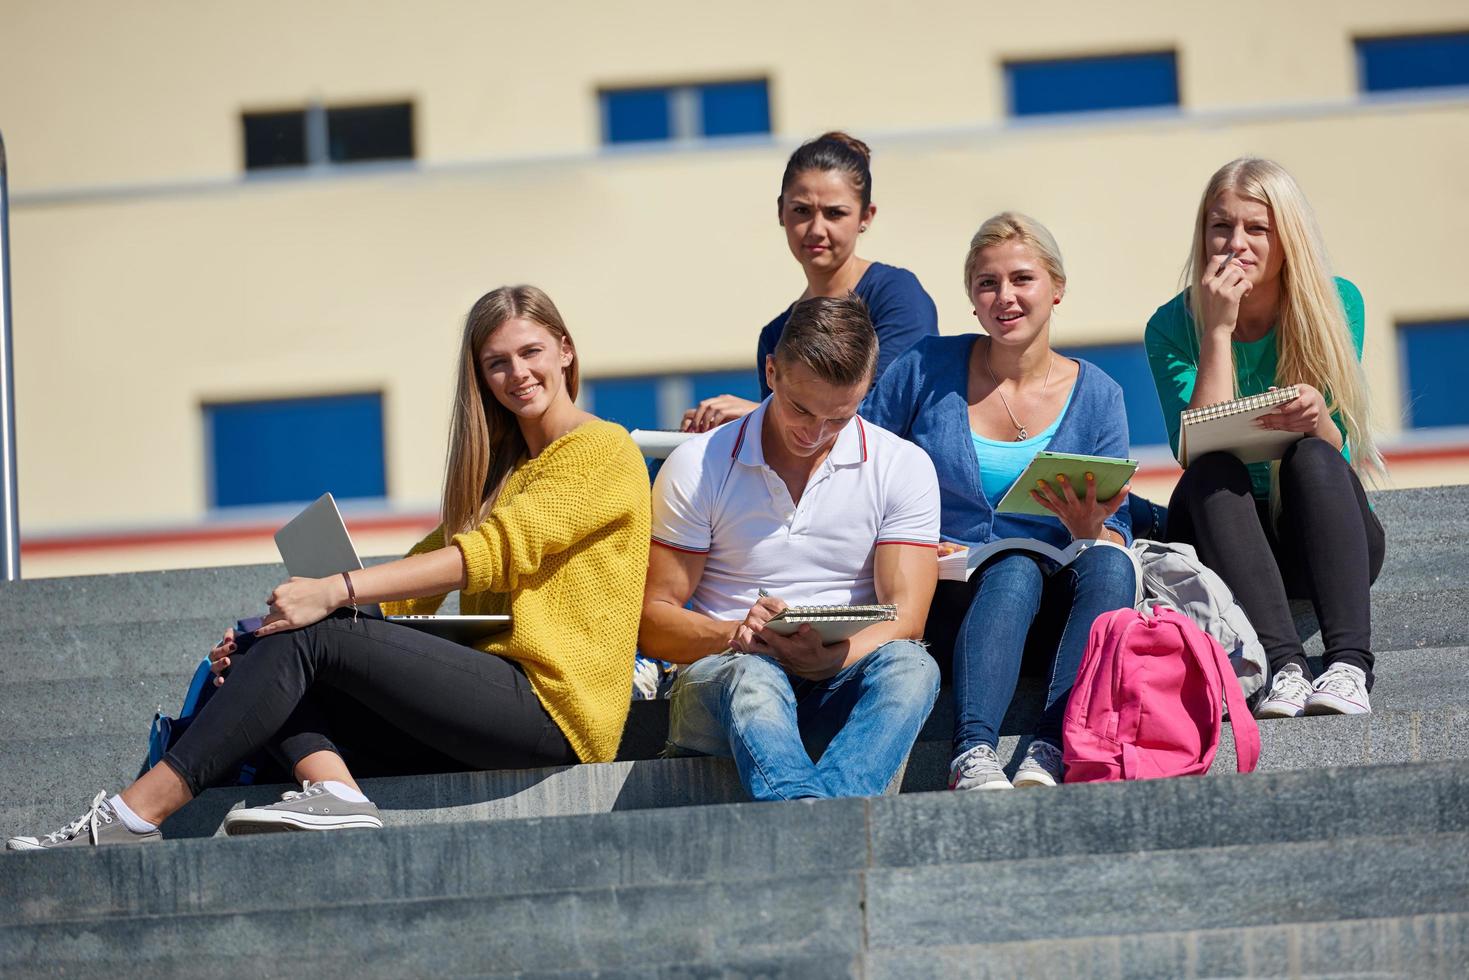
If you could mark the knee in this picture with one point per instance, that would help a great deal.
(1015, 578)
(750, 680)
(1311, 457)
(907, 663)
(1106, 569)
(1216, 471)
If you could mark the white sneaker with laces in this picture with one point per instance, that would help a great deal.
(1340, 690)
(1288, 693)
(978, 768)
(99, 826)
(1042, 766)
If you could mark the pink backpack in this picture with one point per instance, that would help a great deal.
(1148, 701)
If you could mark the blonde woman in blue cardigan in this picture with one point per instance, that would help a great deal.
(982, 406)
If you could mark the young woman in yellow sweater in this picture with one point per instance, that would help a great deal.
(546, 516)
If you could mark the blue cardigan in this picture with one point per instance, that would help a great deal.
(924, 397)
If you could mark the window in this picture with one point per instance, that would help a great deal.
(275, 139)
(1128, 366)
(295, 449)
(1131, 81)
(683, 112)
(658, 402)
(630, 402)
(1420, 61)
(1432, 358)
(321, 135)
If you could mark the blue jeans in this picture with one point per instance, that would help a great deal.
(1008, 594)
(792, 738)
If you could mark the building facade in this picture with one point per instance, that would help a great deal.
(243, 240)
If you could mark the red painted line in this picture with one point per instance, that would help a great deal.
(1425, 454)
(177, 537)
(740, 439)
(914, 544)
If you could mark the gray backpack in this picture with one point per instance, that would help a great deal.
(1173, 574)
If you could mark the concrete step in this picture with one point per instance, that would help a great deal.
(126, 649)
(741, 840)
(1406, 946)
(769, 886)
(1305, 744)
(89, 705)
(220, 595)
(815, 917)
(1106, 895)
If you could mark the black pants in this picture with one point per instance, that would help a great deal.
(389, 699)
(1327, 547)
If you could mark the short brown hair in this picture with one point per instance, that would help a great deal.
(833, 337)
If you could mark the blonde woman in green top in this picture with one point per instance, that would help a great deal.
(1262, 310)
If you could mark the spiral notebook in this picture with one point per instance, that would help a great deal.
(832, 622)
(1230, 426)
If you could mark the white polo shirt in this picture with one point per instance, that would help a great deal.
(716, 496)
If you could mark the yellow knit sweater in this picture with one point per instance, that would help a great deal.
(565, 552)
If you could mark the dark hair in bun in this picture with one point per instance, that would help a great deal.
(833, 151)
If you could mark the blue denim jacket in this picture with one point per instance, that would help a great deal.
(923, 397)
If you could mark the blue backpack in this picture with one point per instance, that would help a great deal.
(165, 731)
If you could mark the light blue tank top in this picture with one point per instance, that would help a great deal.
(1001, 463)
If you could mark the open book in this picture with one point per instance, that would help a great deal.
(833, 623)
(1230, 426)
(959, 566)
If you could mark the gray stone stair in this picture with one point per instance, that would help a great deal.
(772, 888)
(1347, 854)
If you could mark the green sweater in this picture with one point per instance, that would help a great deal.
(1173, 354)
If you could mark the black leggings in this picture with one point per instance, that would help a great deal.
(389, 699)
(1329, 548)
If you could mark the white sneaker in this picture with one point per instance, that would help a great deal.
(978, 768)
(1288, 693)
(1340, 690)
(1042, 766)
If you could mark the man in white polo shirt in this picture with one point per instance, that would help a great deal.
(800, 502)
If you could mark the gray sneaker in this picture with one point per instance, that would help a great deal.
(1042, 765)
(98, 826)
(312, 807)
(978, 768)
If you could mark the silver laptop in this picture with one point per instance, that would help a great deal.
(315, 544)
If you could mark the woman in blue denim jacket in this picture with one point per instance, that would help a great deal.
(982, 406)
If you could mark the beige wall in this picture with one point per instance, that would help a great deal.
(94, 92)
(134, 305)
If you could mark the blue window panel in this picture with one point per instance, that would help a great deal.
(1433, 356)
(1422, 61)
(1130, 81)
(295, 449)
(742, 384)
(1127, 364)
(732, 108)
(630, 402)
(633, 115)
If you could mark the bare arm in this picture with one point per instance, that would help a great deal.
(1224, 286)
(668, 631)
(302, 601)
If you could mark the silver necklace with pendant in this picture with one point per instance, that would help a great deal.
(1022, 432)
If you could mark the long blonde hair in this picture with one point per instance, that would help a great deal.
(485, 441)
(1312, 342)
